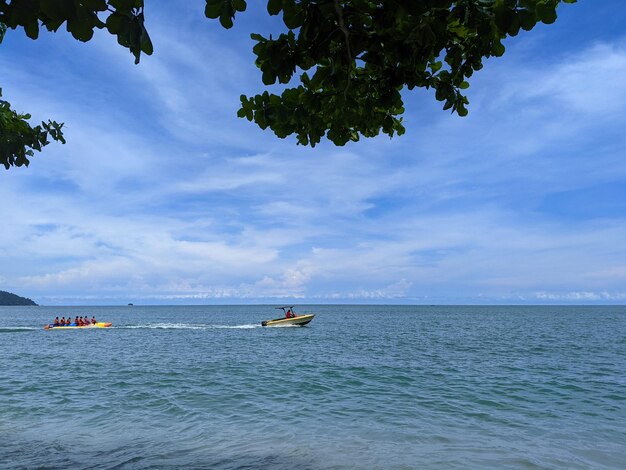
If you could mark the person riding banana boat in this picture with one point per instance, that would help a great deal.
(79, 322)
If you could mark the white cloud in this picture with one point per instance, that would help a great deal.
(580, 296)
(588, 83)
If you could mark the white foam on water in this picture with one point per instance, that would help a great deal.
(236, 327)
(19, 328)
(186, 326)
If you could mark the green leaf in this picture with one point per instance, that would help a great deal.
(293, 16)
(239, 5)
(269, 78)
(117, 24)
(226, 21)
(146, 43)
(498, 49)
(504, 18)
(79, 29)
(546, 12)
(213, 8)
(95, 5)
(527, 20)
(274, 6)
(125, 5)
(32, 29)
(58, 10)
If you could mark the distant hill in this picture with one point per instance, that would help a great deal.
(6, 298)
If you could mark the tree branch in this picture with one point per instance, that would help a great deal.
(346, 33)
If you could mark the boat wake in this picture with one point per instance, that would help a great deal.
(186, 326)
(17, 329)
(287, 326)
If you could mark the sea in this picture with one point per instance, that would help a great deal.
(360, 387)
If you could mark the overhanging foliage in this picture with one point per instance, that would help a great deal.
(342, 64)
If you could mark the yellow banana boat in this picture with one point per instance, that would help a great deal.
(75, 327)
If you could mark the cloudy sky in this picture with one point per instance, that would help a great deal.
(162, 195)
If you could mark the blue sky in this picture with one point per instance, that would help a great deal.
(163, 196)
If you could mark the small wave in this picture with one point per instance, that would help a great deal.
(186, 326)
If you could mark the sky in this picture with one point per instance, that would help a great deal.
(163, 196)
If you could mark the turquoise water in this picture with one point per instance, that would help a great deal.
(361, 387)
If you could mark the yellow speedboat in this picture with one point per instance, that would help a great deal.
(290, 318)
(75, 327)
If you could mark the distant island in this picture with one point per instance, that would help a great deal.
(6, 298)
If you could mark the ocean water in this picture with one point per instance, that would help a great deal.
(360, 387)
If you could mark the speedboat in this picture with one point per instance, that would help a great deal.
(73, 326)
(290, 318)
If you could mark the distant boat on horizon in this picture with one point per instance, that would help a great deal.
(130, 305)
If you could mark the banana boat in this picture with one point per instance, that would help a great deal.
(73, 326)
